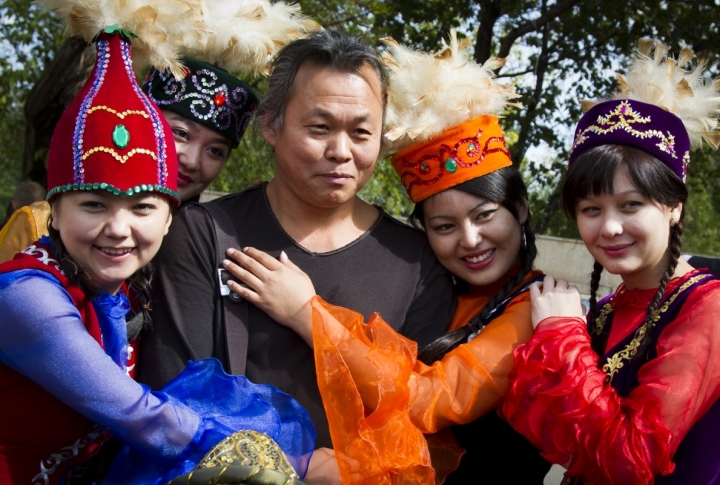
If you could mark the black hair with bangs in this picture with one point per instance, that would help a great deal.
(592, 173)
(507, 188)
(594, 170)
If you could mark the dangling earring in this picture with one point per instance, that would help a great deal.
(524, 238)
(672, 221)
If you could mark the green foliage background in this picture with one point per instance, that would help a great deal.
(559, 51)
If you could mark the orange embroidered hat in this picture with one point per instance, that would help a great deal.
(442, 122)
(461, 153)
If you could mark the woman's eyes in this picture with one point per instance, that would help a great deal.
(217, 152)
(590, 210)
(485, 214)
(632, 204)
(144, 207)
(443, 227)
(181, 133)
(92, 205)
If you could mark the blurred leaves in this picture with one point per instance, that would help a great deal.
(559, 51)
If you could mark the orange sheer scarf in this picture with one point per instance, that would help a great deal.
(380, 401)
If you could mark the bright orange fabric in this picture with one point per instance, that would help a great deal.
(466, 151)
(380, 400)
(25, 226)
(560, 400)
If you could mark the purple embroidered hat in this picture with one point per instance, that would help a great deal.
(659, 108)
(636, 124)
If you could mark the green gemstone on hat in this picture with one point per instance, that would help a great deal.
(450, 165)
(120, 136)
(103, 186)
(471, 147)
(116, 191)
(423, 166)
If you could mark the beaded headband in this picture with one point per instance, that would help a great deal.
(440, 117)
(660, 108)
(207, 95)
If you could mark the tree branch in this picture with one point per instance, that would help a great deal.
(507, 42)
(489, 13)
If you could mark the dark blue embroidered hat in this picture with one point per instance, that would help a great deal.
(660, 108)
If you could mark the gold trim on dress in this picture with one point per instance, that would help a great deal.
(615, 362)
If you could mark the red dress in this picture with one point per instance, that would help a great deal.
(560, 398)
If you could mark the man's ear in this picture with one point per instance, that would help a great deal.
(268, 133)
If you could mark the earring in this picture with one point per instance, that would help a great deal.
(672, 221)
(524, 238)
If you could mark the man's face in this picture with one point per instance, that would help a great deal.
(331, 134)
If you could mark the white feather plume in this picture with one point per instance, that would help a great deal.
(430, 93)
(244, 35)
(162, 27)
(657, 79)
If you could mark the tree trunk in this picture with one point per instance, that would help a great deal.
(488, 16)
(517, 151)
(60, 82)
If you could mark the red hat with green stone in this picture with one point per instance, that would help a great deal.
(112, 137)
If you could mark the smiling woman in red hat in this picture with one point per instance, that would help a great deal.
(630, 395)
(64, 387)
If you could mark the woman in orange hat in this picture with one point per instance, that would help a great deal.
(380, 397)
(64, 383)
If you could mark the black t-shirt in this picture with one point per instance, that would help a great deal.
(390, 269)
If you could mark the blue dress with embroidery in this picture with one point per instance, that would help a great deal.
(166, 433)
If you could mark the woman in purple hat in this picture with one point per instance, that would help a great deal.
(629, 396)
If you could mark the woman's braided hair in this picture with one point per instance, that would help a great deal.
(505, 187)
(140, 281)
(593, 173)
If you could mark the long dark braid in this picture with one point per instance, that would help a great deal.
(674, 247)
(444, 344)
(140, 281)
(593, 313)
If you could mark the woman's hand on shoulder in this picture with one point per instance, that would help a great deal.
(553, 298)
(276, 286)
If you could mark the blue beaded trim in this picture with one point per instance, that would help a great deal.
(154, 115)
(113, 190)
(103, 53)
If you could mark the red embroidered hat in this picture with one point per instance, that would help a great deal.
(442, 119)
(112, 137)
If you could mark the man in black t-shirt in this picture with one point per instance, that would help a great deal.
(323, 114)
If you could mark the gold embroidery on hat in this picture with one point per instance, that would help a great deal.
(121, 114)
(624, 117)
(118, 157)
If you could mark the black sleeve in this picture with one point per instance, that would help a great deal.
(185, 311)
(434, 302)
(712, 264)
